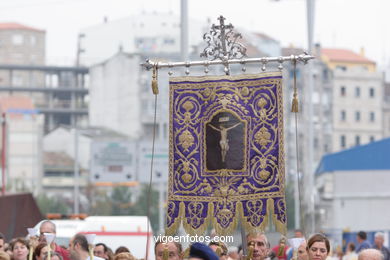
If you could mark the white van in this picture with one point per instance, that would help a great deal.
(114, 231)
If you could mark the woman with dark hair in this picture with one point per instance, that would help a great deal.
(20, 249)
(318, 247)
(40, 250)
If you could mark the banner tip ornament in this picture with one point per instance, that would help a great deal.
(90, 238)
(33, 237)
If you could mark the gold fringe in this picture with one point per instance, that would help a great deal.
(200, 230)
(280, 226)
(228, 230)
(170, 231)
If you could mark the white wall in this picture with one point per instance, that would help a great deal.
(62, 140)
(360, 200)
(114, 95)
(24, 152)
(350, 79)
(159, 31)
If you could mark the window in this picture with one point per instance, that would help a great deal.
(342, 141)
(372, 116)
(357, 92)
(17, 80)
(357, 140)
(17, 39)
(357, 116)
(372, 92)
(169, 41)
(372, 138)
(33, 40)
(342, 68)
(343, 91)
(343, 115)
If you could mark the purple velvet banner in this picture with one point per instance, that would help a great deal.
(226, 153)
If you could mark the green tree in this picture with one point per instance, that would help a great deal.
(121, 201)
(290, 204)
(51, 205)
(140, 207)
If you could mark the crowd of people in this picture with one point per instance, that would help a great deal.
(317, 247)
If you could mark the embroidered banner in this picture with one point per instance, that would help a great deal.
(226, 153)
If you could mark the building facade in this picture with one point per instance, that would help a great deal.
(357, 97)
(353, 188)
(23, 144)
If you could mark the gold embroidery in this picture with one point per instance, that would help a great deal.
(224, 203)
(186, 140)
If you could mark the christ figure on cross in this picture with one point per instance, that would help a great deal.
(224, 141)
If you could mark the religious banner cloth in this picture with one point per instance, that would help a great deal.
(226, 162)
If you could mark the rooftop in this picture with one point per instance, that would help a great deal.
(344, 55)
(372, 156)
(18, 26)
(57, 159)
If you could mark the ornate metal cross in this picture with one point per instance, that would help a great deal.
(222, 42)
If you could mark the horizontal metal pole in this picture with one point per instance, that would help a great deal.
(149, 64)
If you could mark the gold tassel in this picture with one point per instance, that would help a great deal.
(154, 80)
(294, 107)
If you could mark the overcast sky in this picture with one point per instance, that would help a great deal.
(348, 24)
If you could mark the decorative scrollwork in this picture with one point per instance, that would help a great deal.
(222, 42)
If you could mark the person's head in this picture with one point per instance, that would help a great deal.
(124, 256)
(40, 250)
(2, 242)
(260, 244)
(101, 250)
(122, 249)
(361, 236)
(298, 233)
(78, 247)
(379, 239)
(200, 251)
(20, 248)
(318, 247)
(220, 249)
(233, 253)
(302, 252)
(53, 256)
(350, 247)
(370, 254)
(46, 226)
(174, 250)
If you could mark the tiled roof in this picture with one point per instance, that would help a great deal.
(372, 156)
(343, 55)
(57, 160)
(17, 26)
(8, 103)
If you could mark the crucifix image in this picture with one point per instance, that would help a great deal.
(224, 141)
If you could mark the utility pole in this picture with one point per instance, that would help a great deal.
(184, 29)
(79, 49)
(310, 150)
(76, 172)
(3, 151)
